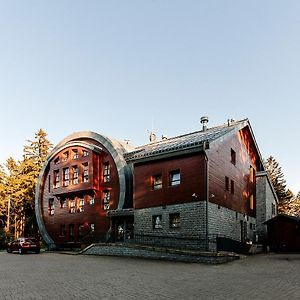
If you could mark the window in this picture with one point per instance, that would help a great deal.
(156, 182)
(174, 220)
(81, 205)
(72, 205)
(233, 157)
(56, 176)
(92, 200)
(251, 202)
(157, 222)
(85, 172)
(85, 153)
(106, 172)
(92, 227)
(56, 160)
(232, 186)
(106, 198)
(63, 203)
(51, 207)
(75, 153)
(226, 183)
(62, 231)
(66, 177)
(75, 175)
(175, 177)
(65, 156)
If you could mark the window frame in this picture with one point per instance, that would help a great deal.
(155, 224)
(51, 207)
(66, 177)
(233, 157)
(85, 173)
(172, 218)
(176, 181)
(106, 171)
(154, 184)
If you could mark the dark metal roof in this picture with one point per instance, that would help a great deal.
(183, 142)
(283, 216)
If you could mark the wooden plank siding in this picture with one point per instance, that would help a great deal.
(220, 166)
(92, 214)
(192, 181)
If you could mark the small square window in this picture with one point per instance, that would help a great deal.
(174, 220)
(233, 157)
(156, 182)
(174, 177)
(92, 200)
(157, 222)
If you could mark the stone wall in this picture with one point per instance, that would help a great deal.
(192, 231)
(265, 197)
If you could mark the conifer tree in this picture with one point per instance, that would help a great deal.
(278, 181)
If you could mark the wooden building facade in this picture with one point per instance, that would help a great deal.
(179, 190)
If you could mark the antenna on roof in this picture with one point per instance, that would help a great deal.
(204, 121)
(152, 137)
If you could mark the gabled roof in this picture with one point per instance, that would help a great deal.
(283, 216)
(195, 141)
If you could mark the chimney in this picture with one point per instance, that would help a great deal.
(204, 121)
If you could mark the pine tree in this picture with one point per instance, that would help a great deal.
(34, 157)
(278, 181)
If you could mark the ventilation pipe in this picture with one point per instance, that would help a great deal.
(204, 121)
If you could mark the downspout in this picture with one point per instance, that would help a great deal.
(207, 199)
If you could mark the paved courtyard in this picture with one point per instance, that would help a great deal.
(60, 276)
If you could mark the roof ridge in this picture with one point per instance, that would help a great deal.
(190, 133)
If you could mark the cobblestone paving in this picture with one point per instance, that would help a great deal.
(59, 276)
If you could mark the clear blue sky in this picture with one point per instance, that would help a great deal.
(116, 67)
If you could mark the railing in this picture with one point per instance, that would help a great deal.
(213, 242)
